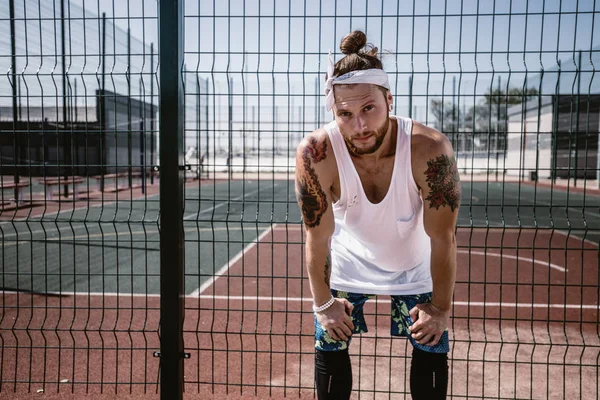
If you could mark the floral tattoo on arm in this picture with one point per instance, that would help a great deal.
(443, 181)
(310, 195)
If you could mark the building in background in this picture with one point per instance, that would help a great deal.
(79, 96)
(555, 135)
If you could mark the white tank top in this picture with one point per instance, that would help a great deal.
(379, 248)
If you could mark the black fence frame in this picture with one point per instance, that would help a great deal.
(172, 172)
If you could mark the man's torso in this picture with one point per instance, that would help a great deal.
(379, 242)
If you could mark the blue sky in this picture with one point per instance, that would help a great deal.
(423, 37)
(403, 27)
(273, 48)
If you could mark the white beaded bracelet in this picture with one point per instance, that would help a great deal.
(324, 306)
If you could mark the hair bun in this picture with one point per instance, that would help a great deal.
(353, 42)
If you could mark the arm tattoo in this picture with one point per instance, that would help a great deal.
(443, 181)
(309, 193)
(328, 269)
(316, 149)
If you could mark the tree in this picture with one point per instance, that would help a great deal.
(446, 115)
(515, 96)
(478, 117)
(487, 119)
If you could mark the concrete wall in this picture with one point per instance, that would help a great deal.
(529, 143)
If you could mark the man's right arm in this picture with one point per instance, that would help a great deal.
(311, 187)
(313, 183)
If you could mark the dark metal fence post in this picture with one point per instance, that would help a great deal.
(254, 132)
(129, 133)
(102, 105)
(171, 199)
(577, 113)
(66, 134)
(410, 97)
(142, 133)
(230, 134)
(13, 66)
(152, 113)
(205, 154)
(500, 129)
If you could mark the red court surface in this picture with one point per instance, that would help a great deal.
(250, 331)
(256, 337)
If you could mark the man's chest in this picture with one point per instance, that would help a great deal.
(376, 179)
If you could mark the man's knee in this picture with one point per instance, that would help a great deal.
(428, 375)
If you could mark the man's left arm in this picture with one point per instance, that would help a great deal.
(436, 174)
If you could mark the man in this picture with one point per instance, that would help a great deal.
(379, 197)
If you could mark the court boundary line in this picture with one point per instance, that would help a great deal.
(508, 229)
(297, 227)
(567, 235)
(309, 300)
(230, 262)
(28, 218)
(185, 217)
(386, 301)
(545, 203)
(80, 239)
(242, 196)
(81, 208)
(511, 257)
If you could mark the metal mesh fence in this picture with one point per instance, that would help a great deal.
(512, 85)
(79, 211)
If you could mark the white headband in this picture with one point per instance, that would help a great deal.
(372, 76)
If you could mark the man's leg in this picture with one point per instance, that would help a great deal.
(333, 375)
(333, 371)
(429, 365)
(428, 375)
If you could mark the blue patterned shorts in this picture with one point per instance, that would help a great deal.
(400, 322)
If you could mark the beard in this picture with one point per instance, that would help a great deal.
(379, 136)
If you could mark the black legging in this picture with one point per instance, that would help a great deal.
(333, 375)
(428, 375)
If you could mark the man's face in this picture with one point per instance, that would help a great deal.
(361, 112)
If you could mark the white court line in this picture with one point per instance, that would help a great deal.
(545, 203)
(385, 301)
(566, 234)
(531, 260)
(206, 284)
(43, 215)
(66, 229)
(508, 230)
(309, 300)
(229, 263)
(58, 240)
(243, 196)
(69, 229)
(502, 229)
(478, 253)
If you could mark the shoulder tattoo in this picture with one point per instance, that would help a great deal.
(310, 195)
(444, 182)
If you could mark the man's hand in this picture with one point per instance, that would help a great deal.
(429, 324)
(336, 319)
